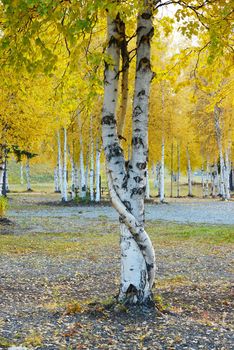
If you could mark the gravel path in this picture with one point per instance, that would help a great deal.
(182, 211)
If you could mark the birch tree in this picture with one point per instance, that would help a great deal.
(127, 184)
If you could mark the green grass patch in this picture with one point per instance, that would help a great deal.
(93, 245)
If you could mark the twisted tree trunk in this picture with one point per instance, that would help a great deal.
(127, 183)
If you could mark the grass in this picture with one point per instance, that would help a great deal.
(82, 244)
(3, 206)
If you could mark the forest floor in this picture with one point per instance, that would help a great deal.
(59, 271)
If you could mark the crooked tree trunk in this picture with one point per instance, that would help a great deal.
(28, 176)
(189, 171)
(127, 184)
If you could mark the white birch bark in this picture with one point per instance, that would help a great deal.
(59, 164)
(2, 167)
(203, 181)
(127, 185)
(147, 192)
(178, 170)
(21, 173)
(73, 186)
(213, 185)
(162, 174)
(91, 170)
(227, 175)
(28, 176)
(97, 172)
(56, 180)
(77, 171)
(207, 180)
(64, 186)
(218, 130)
(82, 189)
(87, 171)
(216, 179)
(189, 172)
(172, 167)
(159, 179)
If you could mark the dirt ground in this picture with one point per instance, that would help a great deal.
(59, 271)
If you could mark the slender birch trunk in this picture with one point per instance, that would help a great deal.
(28, 176)
(91, 170)
(147, 191)
(213, 185)
(162, 185)
(59, 164)
(2, 168)
(159, 179)
(124, 82)
(216, 179)
(56, 180)
(87, 171)
(172, 167)
(127, 184)
(178, 170)
(82, 191)
(207, 179)
(218, 130)
(77, 171)
(97, 172)
(189, 172)
(227, 175)
(21, 173)
(64, 186)
(73, 186)
(203, 181)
